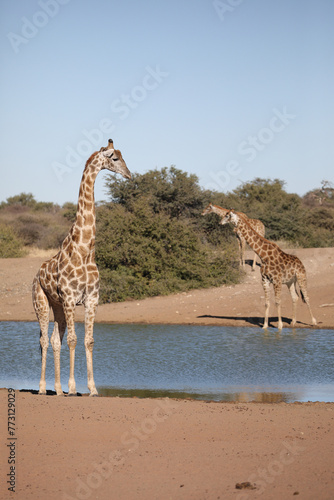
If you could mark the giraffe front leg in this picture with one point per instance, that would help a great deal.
(90, 311)
(44, 341)
(266, 288)
(56, 341)
(56, 346)
(71, 342)
(280, 322)
(254, 262)
(278, 290)
(240, 248)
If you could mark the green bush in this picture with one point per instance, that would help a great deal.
(141, 253)
(10, 244)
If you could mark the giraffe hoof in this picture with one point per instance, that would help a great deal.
(72, 394)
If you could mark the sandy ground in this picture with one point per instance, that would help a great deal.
(128, 448)
(116, 448)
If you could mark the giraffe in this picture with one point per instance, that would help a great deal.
(277, 267)
(71, 277)
(256, 224)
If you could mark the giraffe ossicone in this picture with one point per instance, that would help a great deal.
(71, 277)
(277, 268)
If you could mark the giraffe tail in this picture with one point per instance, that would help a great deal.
(301, 293)
(40, 345)
(302, 296)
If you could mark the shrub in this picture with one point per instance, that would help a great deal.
(29, 229)
(10, 244)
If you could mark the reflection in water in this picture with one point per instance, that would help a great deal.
(242, 397)
(265, 397)
(198, 362)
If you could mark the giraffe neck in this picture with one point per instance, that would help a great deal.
(259, 244)
(83, 229)
(219, 210)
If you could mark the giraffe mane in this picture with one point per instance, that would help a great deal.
(90, 159)
(248, 224)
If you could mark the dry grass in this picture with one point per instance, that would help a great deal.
(286, 245)
(40, 252)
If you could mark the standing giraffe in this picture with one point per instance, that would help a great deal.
(71, 277)
(256, 224)
(277, 267)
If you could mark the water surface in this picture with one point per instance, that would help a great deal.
(204, 362)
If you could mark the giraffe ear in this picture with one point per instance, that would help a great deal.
(108, 153)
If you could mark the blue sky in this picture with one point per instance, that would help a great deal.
(228, 90)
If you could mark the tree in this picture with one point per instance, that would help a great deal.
(321, 196)
(168, 190)
(22, 199)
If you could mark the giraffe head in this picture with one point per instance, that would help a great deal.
(208, 209)
(231, 216)
(113, 161)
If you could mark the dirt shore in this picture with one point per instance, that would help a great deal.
(241, 304)
(128, 448)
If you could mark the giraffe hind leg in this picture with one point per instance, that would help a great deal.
(69, 308)
(304, 295)
(90, 311)
(294, 296)
(42, 310)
